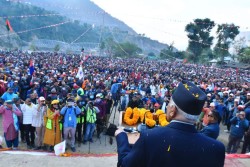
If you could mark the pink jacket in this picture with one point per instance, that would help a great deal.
(8, 117)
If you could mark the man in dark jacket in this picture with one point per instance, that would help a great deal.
(212, 129)
(177, 144)
(239, 125)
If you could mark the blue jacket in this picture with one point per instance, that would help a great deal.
(211, 130)
(70, 116)
(238, 127)
(175, 145)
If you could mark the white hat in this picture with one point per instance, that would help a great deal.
(212, 104)
(99, 95)
(236, 100)
(209, 94)
(248, 94)
(41, 98)
(225, 92)
(231, 94)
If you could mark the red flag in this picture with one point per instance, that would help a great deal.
(8, 26)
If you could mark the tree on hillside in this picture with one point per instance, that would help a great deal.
(244, 57)
(167, 53)
(57, 48)
(238, 47)
(127, 50)
(199, 37)
(110, 45)
(151, 54)
(226, 34)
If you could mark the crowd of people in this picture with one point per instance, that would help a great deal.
(46, 98)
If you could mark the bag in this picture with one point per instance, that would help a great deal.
(60, 148)
(111, 129)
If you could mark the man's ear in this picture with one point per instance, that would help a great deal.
(173, 111)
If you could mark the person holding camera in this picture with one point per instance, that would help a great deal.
(38, 122)
(70, 112)
(239, 125)
(90, 122)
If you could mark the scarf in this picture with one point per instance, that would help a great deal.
(15, 121)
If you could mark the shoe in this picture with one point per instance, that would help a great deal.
(73, 149)
(84, 142)
(38, 148)
(29, 147)
(15, 148)
(44, 148)
(91, 141)
(51, 149)
(79, 144)
(1, 147)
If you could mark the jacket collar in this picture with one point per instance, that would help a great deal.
(182, 126)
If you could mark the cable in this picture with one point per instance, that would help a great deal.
(118, 43)
(24, 31)
(81, 35)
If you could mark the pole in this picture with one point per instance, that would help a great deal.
(9, 40)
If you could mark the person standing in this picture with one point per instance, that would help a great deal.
(38, 122)
(17, 102)
(28, 110)
(239, 125)
(10, 123)
(179, 143)
(52, 135)
(70, 112)
(90, 122)
(212, 129)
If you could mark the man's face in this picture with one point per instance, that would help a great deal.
(10, 91)
(28, 102)
(9, 105)
(242, 115)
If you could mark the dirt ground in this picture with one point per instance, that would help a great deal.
(101, 147)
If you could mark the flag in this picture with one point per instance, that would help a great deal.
(79, 73)
(184, 61)
(32, 69)
(8, 26)
(85, 58)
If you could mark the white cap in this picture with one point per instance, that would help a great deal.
(212, 104)
(99, 95)
(209, 94)
(248, 94)
(41, 98)
(231, 94)
(236, 100)
(226, 92)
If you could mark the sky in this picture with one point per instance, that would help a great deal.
(165, 20)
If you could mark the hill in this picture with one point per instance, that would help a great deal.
(37, 26)
(85, 11)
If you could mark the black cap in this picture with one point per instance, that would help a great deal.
(189, 98)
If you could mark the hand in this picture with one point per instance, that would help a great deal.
(237, 114)
(118, 131)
